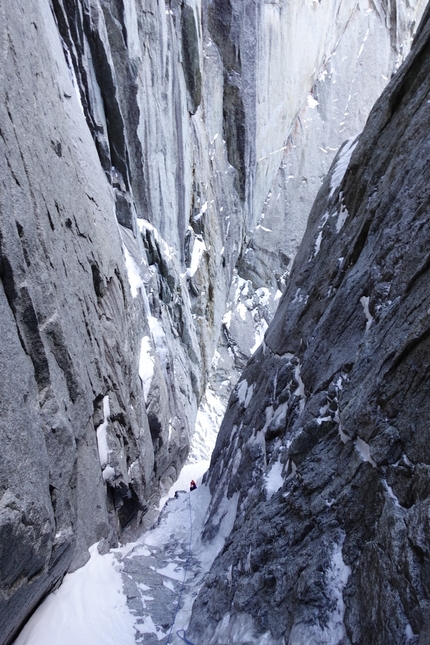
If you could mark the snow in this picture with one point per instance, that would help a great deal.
(238, 629)
(148, 627)
(333, 631)
(341, 218)
(259, 335)
(133, 273)
(171, 571)
(146, 365)
(342, 164)
(364, 301)
(312, 103)
(89, 608)
(274, 479)
(300, 391)
(108, 473)
(363, 449)
(102, 434)
(168, 251)
(208, 422)
(244, 392)
(199, 248)
(409, 634)
(159, 338)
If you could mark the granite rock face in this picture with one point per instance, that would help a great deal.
(139, 146)
(324, 447)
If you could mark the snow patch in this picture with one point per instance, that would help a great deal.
(102, 434)
(274, 479)
(341, 218)
(199, 247)
(363, 449)
(159, 338)
(146, 365)
(244, 392)
(312, 103)
(342, 164)
(89, 608)
(364, 301)
(133, 273)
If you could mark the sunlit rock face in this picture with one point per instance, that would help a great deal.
(299, 79)
(325, 444)
(140, 143)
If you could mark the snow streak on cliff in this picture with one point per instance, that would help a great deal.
(148, 154)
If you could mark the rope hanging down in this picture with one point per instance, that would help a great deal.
(181, 632)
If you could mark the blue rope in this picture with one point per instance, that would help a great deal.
(187, 564)
(184, 638)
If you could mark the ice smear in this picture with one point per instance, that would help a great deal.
(300, 391)
(88, 608)
(409, 634)
(391, 494)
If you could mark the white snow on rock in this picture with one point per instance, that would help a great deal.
(274, 479)
(238, 629)
(133, 273)
(333, 631)
(102, 434)
(208, 422)
(146, 365)
(199, 247)
(363, 449)
(244, 392)
(364, 301)
(89, 608)
(342, 164)
(341, 218)
(159, 338)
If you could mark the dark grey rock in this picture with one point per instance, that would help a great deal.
(334, 549)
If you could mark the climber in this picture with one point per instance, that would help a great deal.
(193, 485)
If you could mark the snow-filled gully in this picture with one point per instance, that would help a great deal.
(140, 593)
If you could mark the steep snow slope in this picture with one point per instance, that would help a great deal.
(325, 438)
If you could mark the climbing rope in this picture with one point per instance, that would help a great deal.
(184, 638)
(187, 565)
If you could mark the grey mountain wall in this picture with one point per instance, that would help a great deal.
(324, 446)
(139, 144)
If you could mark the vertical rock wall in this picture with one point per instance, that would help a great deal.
(139, 140)
(324, 446)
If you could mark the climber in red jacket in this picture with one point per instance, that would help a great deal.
(193, 485)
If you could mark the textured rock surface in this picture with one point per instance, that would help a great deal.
(326, 434)
(307, 76)
(138, 143)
